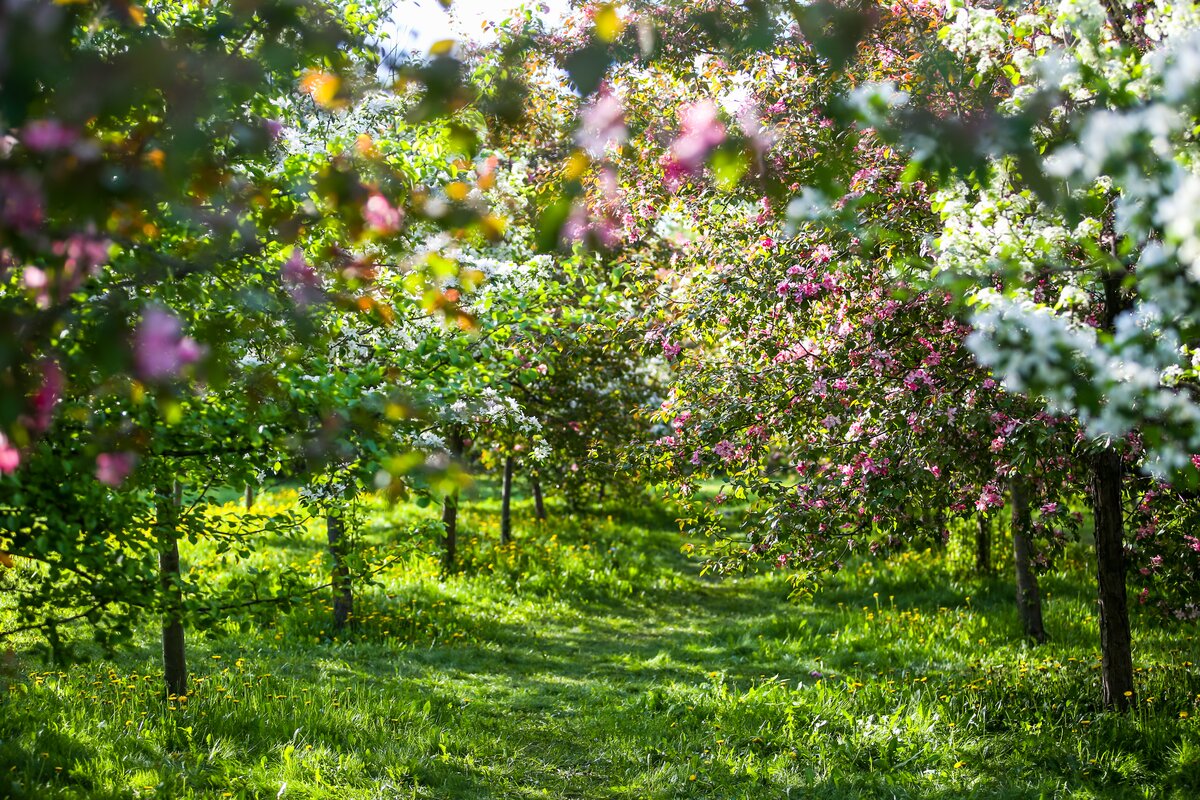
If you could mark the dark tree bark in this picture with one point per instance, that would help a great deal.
(600, 493)
(539, 505)
(1116, 646)
(983, 546)
(1116, 649)
(174, 648)
(249, 496)
(450, 511)
(1029, 598)
(506, 503)
(343, 589)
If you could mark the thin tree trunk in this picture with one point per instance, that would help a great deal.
(174, 649)
(450, 523)
(506, 503)
(600, 493)
(983, 546)
(1116, 647)
(539, 505)
(450, 512)
(249, 496)
(1029, 599)
(343, 589)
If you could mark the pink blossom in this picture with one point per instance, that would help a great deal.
(34, 278)
(1050, 508)
(44, 135)
(113, 468)
(160, 348)
(700, 132)
(989, 497)
(601, 125)
(10, 457)
(82, 253)
(670, 350)
(380, 215)
(725, 449)
(301, 280)
(43, 401)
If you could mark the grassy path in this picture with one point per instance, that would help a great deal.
(595, 662)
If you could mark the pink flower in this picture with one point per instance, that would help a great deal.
(83, 252)
(601, 125)
(989, 498)
(301, 280)
(44, 135)
(725, 449)
(10, 457)
(700, 132)
(671, 350)
(43, 401)
(160, 348)
(380, 215)
(113, 468)
(1050, 508)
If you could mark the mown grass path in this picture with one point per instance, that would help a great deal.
(593, 661)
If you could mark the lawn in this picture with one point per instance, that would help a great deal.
(593, 660)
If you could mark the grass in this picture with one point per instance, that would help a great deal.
(591, 660)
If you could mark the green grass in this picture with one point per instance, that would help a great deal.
(593, 661)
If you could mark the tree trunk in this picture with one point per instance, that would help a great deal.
(1029, 599)
(249, 496)
(1116, 647)
(539, 505)
(173, 646)
(450, 511)
(506, 503)
(983, 547)
(600, 494)
(343, 590)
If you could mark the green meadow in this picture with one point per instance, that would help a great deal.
(592, 659)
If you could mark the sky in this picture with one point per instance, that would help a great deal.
(417, 24)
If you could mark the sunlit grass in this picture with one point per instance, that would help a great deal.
(590, 659)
